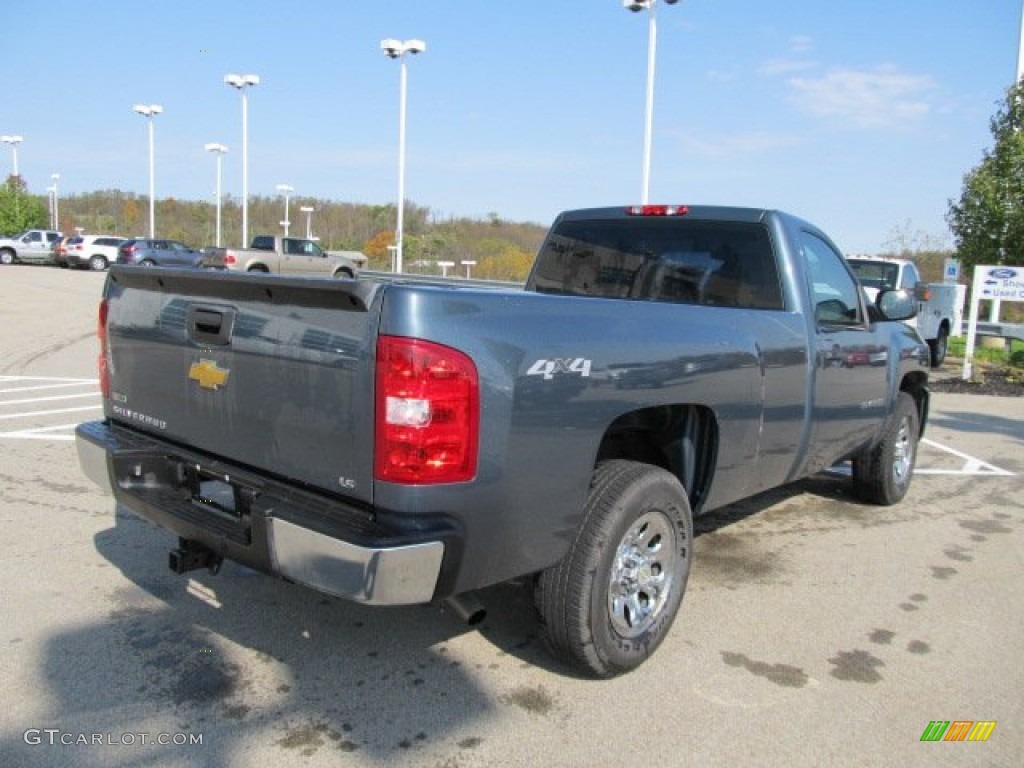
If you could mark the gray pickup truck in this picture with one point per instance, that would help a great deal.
(285, 256)
(401, 441)
(32, 245)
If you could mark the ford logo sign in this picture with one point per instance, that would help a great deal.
(1003, 273)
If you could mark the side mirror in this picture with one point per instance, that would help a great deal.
(896, 305)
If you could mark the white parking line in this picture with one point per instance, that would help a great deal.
(42, 433)
(47, 413)
(37, 387)
(48, 399)
(972, 466)
(36, 424)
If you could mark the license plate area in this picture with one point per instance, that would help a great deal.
(216, 493)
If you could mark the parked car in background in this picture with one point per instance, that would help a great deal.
(157, 253)
(32, 245)
(59, 251)
(285, 256)
(97, 252)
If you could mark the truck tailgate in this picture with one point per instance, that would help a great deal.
(274, 373)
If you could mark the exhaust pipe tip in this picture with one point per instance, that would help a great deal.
(467, 607)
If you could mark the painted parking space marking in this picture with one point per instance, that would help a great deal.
(24, 417)
(966, 466)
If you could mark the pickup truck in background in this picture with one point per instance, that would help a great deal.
(940, 308)
(401, 441)
(32, 245)
(285, 256)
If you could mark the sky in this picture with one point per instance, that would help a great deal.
(860, 116)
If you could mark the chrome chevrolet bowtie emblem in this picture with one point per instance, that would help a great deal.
(208, 374)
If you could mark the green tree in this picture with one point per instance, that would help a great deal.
(19, 210)
(988, 220)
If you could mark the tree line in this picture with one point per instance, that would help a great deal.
(502, 250)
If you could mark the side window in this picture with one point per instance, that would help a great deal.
(835, 292)
(34, 237)
(910, 277)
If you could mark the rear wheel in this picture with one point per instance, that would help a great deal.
(97, 263)
(258, 268)
(606, 607)
(147, 263)
(881, 474)
(939, 345)
(344, 273)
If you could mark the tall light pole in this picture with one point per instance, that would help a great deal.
(286, 190)
(218, 150)
(397, 49)
(242, 82)
(149, 111)
(308, 210)
(51, 191)
(652, 45)
(13, 141)
(56, 201)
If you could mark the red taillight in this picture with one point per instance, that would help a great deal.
(229, 258)
(104, 365)
(428, 413)
(657, 210)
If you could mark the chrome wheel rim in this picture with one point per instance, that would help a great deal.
(903, 453)
(643, 574)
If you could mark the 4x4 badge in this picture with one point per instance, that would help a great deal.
(208, 374)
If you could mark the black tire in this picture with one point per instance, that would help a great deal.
(147, 263)
(606, 607)
(97, 263)
(882, 473)
(344, 273)
(258, 268)
(6, 257)
(939, 346)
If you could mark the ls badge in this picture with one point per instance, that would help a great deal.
(208, 374)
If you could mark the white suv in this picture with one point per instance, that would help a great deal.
(96, 252)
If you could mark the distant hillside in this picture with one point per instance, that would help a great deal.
(502, 250)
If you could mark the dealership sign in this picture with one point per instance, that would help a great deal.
(998, 283)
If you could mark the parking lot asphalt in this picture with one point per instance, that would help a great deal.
(816, 630)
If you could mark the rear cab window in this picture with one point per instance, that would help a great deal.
(669, 259)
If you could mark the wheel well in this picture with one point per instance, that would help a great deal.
(916, 385)
(344, 272)
(257, 268)
(680, 438)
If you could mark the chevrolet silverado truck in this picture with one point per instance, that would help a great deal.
(402, 441)
(940, 306)
(32, 245)
(285, 256)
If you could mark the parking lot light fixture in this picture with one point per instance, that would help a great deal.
(652, 44)
(286, 190)
(397, 49)
(218, 150)
(149, 111)
(13, 142)
(56, 201)
(242, 83)
(308, 210)
(51, 191)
